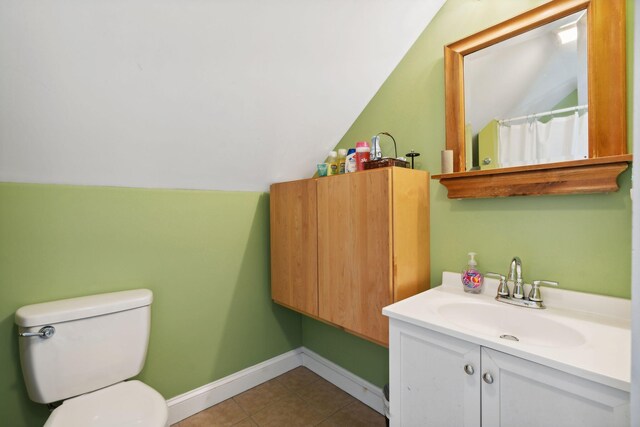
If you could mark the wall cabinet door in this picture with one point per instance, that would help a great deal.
(435, 379)
(526, 394)
(294, 242)
(344, 247)
(354, 251)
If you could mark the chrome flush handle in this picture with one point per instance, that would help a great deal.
(44, 332)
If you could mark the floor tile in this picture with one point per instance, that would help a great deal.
(226, 413)
(259, 397)
(290, 411)
(247, 422)
(356, 414)
(325, 397)
(295, 399)
(297, 380)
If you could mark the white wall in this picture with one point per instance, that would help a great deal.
(217, 94)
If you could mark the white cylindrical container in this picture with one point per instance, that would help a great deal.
(447, 161)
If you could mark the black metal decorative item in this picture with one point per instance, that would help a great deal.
(412, 154)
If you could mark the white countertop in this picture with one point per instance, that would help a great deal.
(601, 353)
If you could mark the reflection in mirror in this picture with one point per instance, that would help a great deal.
(607, 155)
(526, 98)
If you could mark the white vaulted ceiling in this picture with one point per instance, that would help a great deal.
(217, 94)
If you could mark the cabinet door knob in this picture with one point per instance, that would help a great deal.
(488, 378)
(469, 369)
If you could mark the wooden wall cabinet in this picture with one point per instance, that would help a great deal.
(294, 245)
(343, 247)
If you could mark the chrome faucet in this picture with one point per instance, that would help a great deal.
(534, 300)
(515, 277)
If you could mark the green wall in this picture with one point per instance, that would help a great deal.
(582, 241)
(204, 254)
(570, 100)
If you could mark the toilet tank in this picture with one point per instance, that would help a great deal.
(99, 340)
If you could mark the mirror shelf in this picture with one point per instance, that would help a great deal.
(597, 175)
(607, 129)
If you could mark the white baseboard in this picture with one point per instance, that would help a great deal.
(201, 398)
(362, 390)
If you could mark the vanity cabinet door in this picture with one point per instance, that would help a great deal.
(524, 393)
(435, 378)
(294, 245)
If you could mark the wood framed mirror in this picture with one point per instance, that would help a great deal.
(597, 169)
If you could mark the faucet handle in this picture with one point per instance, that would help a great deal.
(503, 288)
(534, 295)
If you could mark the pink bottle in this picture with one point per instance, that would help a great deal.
(363, 154)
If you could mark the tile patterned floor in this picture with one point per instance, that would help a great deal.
(296, 398)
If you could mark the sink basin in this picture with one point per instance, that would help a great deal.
(511, 323)
(583, 334)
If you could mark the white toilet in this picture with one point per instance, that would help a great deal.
(81, 351)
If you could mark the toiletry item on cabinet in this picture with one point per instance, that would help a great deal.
(376, 151)
(342, 160)
(332, 163)
(362, 154)
(350, 165)
(322, 169)
(472, 279)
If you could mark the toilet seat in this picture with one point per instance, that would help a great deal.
(125, 404)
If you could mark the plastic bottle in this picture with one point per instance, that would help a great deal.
(342, 160)
(362, 154)
(332, 163)
(351, 161)
(376, 151)
(472, 279)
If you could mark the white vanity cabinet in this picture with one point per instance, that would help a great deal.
(428, 383)
(525, 393)
(439, 380)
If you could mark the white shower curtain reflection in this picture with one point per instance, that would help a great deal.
(533, 142)
(562, 139)
(517, 144)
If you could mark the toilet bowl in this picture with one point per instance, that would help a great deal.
(81, 351)
(126, 404)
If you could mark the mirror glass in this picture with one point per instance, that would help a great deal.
(525, 98)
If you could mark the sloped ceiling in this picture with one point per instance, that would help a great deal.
(218, 94)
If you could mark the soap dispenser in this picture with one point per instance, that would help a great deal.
(472, 279)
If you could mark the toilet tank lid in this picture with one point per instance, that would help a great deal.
(47, 313)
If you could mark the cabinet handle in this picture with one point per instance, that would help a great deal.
(469, 369)
(488, 378)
